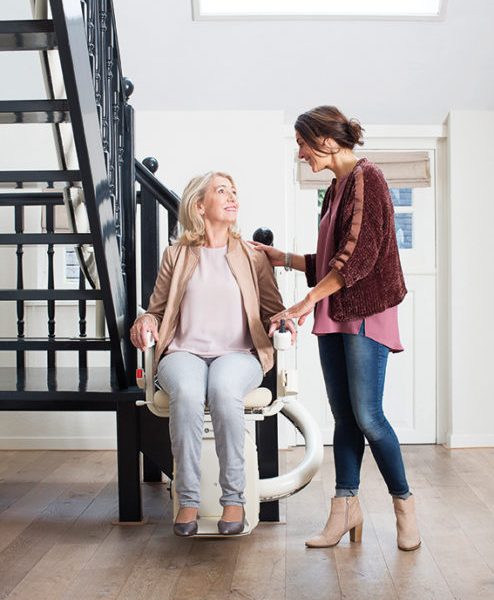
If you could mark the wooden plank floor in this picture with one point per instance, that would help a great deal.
(57, 540)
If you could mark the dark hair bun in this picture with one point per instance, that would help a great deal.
(355, 130)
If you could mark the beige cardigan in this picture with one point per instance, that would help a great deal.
(254, 275)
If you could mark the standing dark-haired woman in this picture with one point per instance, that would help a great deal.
(357, 284)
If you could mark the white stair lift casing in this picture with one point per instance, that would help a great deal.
(258, 406)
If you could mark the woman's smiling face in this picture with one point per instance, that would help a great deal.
(220, 204)
(317, 160)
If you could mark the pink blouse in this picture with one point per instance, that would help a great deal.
(212, 316)
(381, 327)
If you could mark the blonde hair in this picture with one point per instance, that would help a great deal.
(192, 230)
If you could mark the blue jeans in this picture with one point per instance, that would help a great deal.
(354, 368)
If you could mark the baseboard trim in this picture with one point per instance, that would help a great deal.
(53, 443)
(455, 440)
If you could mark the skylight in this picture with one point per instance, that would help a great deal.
(269, 9)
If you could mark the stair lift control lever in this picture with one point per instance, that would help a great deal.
(282, 338)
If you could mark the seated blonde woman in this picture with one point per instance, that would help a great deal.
(210, 316)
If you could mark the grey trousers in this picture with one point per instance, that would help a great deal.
(222, 382)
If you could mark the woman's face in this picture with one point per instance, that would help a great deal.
(316, 160)
(220, 203)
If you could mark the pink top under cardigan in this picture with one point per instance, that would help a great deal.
(212, 316)
(381, 327)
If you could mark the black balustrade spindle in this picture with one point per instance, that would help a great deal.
(19, 228)
(82, 321)
(129, 213)
(50, 228)
(149, 236)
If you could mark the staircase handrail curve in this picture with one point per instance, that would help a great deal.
(168, 199)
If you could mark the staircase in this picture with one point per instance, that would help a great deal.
(102, 188)
(103, 173)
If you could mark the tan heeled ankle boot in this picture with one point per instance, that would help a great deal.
(406, 523)
(346, 515)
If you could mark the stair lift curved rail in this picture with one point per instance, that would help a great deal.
(282, 486)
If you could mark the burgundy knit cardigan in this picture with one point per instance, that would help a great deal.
(366, 249)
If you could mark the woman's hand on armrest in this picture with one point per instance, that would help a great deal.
(330, 284)
(299, 311)
(145, 324)
(289, 324)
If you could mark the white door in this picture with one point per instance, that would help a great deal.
(410, 390)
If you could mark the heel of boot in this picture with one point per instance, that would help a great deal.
(356, 533)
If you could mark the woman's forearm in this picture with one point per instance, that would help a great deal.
(298, 262)
(327, 286)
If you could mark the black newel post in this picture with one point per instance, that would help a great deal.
(267, 430)
(150, 260)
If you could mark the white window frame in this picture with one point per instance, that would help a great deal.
(310, 10)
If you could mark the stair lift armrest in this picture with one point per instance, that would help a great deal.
(148, 361)
(273, 409)
(146, 381)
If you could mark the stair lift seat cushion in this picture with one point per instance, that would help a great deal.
(256, 399)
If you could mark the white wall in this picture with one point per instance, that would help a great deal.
(471, 205)
(247, 144)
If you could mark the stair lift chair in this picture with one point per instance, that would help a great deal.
(258, 405)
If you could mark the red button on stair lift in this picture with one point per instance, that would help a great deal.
(139, 373)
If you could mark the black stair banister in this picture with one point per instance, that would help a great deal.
(152, 195)
(34, 111)
(162, 195)
(168, 199)
(27, 35)
(70, 30)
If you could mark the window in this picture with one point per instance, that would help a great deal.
(71, 265)
(320, 200)
(266, 9)
(402, 201)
